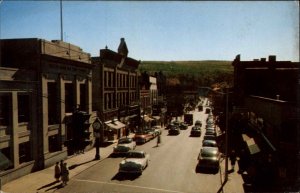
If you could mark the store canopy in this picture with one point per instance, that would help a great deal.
(115, 124)
(156, 117)
(147, 118)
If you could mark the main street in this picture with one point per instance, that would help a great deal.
(172, 168)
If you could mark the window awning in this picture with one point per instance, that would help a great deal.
(115, 124)
(252, 146)
(156, 117)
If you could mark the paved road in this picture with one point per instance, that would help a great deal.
(171, 169)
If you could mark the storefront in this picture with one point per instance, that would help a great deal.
(114, 130)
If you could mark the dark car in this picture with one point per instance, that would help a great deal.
(209, 158)
(196, 131)
(198, 123)
(210, 132)
(174, 130)
(209, 143)
(209, 137)
(183, 125)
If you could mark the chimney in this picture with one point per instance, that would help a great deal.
(272, 58)
(263, 59)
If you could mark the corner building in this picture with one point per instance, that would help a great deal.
(41, 84)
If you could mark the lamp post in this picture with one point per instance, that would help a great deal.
(97, 124)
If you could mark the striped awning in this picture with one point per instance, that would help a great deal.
(115, 124)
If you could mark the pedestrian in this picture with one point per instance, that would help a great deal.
(64, 174)
(232, 158)
(158, 140)
(61, 164)
(57, 172)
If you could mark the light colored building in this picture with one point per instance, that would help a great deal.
(41, 83)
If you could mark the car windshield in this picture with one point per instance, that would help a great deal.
(125, 141)
(196, 128)
(135, 155)
(209, 153)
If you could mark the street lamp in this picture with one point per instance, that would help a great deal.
(97, 124)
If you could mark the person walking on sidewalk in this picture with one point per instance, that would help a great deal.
(64, 174)
(158, 140)
(57, 172)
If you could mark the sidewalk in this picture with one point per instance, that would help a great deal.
(43, 180)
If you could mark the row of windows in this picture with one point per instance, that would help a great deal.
(112, 100)
(5, 108)
(123, 80)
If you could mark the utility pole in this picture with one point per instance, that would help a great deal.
(226, 137)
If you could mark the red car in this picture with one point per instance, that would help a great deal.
(142, 137)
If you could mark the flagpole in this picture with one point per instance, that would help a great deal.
(61, 22)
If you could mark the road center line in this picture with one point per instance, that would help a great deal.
(110, 183)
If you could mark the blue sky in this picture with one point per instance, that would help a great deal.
(162, 30)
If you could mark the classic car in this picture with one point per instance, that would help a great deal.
(196, 131)
(174, 130)
(183, 125)
(210, 132)
(209, 158)
(142, 137)
(135, 162)
(209, 143)
(124, 145)
(209, 137)
(198, 123)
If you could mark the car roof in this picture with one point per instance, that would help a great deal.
(209, 149)
(136, 151)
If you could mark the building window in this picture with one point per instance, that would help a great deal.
(69, 97)
(53, 113)
(23, 108)
(24, 152)
(54, 143)
(4, 109)
(83, 97)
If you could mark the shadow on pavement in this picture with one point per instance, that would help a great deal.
(59, 186)
(76, 165)
(48, 185)
(122, 176)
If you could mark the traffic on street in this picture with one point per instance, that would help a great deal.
(172, 166)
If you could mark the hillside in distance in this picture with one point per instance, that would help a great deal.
(203, 73)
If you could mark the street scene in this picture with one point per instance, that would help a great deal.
(158, 96)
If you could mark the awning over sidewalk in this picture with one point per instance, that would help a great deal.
(156, 117)
(115, 124)
(147, 118)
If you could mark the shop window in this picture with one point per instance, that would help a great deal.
(69, 97)
(53, 111)
(4, 110)
(23, 108)
(24, 152)
(54, 144)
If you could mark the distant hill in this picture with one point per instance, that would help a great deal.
(204, 73)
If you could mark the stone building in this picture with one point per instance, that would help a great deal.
(41, 83)
(115, 91)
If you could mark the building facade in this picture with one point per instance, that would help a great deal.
(42, 82)
(115, 91)
(266, 95)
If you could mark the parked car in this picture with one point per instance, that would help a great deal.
(210, 132)
(123, 146)
(209, 137)
(209, 158)
(151, 132)
(135, 162)
(174, 130)
(142, 137)
(209, 143)
(195, 131)
(198, 123)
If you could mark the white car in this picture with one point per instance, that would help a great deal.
(124, 145)
(135, 162)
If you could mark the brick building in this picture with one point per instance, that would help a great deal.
(115, 91)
